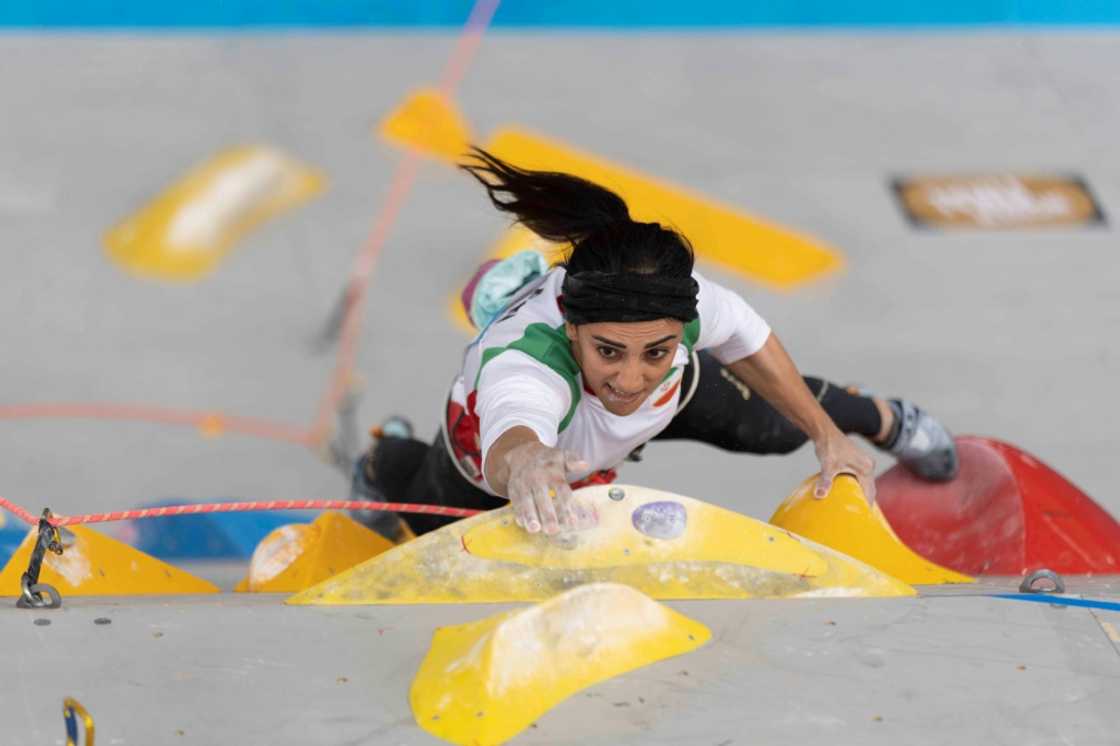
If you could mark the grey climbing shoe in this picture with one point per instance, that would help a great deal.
(921, 443)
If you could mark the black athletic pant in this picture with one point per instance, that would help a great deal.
(722, 412)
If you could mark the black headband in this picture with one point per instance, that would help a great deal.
(590, 297)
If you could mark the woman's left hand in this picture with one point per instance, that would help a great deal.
(839, 454)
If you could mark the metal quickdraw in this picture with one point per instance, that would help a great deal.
(71, 710)
(33, 594)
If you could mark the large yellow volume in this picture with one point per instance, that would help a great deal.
(299, 555)
(844, 521)
(428, 121)
(184, 232)
(482, 683)
(665, 545)
(734, 239)
(93, 564)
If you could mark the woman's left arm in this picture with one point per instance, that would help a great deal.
(772, 374)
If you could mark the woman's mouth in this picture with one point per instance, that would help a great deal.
(621, 397)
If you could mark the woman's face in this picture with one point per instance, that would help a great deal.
(623, 362)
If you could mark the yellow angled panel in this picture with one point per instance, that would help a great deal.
(662, 544)
(299, 555)
(429, 122)
(93, 564)
(482, 683)
(737, 241)
(845, 522)
(185, 231)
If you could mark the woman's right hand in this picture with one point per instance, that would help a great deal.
(539, 492)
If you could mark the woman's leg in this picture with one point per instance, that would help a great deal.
(438, 482)
(402, 469)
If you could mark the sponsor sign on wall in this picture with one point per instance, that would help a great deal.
(997, 202)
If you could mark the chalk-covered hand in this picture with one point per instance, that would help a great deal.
(839, 454)
(539, 492)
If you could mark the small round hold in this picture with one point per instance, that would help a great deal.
(1033, 579)
(665, 519)
(102, 620)
(616, 493)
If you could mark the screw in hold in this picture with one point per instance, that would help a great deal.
(616, 493)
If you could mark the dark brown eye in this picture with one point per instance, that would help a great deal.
(658, 353)
(608, 353)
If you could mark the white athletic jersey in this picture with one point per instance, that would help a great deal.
(519, 371)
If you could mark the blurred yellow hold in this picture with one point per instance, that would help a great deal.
(428, 122)
(186, 231)
(665, 545)
(93, 564)
(483, 683)
(734, 240)
(844, 521)
(299, 555)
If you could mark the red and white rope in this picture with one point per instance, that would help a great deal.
(237, 507)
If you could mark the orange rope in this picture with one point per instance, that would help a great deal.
(477, 22)
(339, 384)
(403, 178)
(215, 422)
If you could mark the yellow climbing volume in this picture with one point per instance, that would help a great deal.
(665, 545)
(844, 521)
(482, 683)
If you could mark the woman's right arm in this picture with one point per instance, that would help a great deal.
(535, 478)
(520, 404)
(496, 468)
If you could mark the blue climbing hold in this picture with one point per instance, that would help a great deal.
(661, 520)
(204, 536)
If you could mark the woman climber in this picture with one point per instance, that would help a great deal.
(578, 366)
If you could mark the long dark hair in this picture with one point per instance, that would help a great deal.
(593, 220)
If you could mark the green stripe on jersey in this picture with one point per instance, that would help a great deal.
(547, 345)
(688, 338)
(691, 334)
